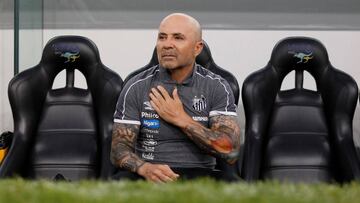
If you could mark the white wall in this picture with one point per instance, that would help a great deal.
(6, 73)
(239, 51)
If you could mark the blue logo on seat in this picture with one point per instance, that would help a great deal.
(151, 123)
(69, 51)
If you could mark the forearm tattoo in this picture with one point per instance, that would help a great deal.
(122, 146)
(222, 140)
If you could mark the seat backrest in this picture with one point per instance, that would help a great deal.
(205, 60)
(63, 133)
(299, 134)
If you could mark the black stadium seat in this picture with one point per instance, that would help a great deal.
(205, 59)
(300, 135)
(63, 133)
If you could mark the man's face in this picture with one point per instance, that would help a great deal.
(176, 45)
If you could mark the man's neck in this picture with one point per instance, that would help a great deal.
(180, 74)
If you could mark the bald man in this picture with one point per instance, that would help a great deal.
(173, 119)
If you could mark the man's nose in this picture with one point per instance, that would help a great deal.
(168, 44)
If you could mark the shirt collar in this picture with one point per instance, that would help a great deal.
(166, 77)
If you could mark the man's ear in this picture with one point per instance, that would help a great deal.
(198, 47)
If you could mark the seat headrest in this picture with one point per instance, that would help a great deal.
(204, 58)
(70, 52)
(154, 58)
(299, 53)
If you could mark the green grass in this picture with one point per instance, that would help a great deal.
(204, 190)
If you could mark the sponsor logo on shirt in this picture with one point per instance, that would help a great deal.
(149, 149)
(148, 155)
(148, 106)
(151, 123)
(199, 104)
(200, 118)
(149, 115)
(147, 130)
(149, 135)
(150, 142)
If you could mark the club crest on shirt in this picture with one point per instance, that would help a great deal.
(199, 104)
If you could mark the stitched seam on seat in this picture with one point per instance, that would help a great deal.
(296, 104)
(295, 133)
(63, 165)
(66, 131)
(68, 103)
(324, 167)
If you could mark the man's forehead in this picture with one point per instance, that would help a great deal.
(176, 30)
(180, 24)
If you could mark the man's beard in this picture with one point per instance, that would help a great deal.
(170, 66)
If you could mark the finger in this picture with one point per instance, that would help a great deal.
(170, 176)
(170, 173)
(163, 91)
(153, 178)
(162, 176)
(155, 106)
(155, 100)
(176, 95)
(157, 94)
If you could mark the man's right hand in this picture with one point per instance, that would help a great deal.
(158, 173)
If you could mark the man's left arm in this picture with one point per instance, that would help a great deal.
(222, 139)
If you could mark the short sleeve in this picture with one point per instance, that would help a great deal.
(223, 102)
(127, 107)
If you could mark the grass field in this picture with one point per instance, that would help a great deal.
(204, 190)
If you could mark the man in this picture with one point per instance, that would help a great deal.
(176, 115)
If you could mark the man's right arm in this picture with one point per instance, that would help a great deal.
(122, 147)
(122, 155)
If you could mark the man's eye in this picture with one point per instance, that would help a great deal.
(160, 37)
(179, 37)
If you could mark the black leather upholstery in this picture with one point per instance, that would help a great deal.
(300, 134)
(63, 133)
(205, 59)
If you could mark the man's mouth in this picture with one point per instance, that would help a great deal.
(168, 55)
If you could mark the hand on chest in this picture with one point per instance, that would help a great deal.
(195, 100)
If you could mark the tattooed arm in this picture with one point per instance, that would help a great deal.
(122, 155)
(221, 140)
(122, 147)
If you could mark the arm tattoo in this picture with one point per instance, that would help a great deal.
(222, 140)
(122, 147)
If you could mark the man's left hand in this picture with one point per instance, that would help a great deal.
(169, 108)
